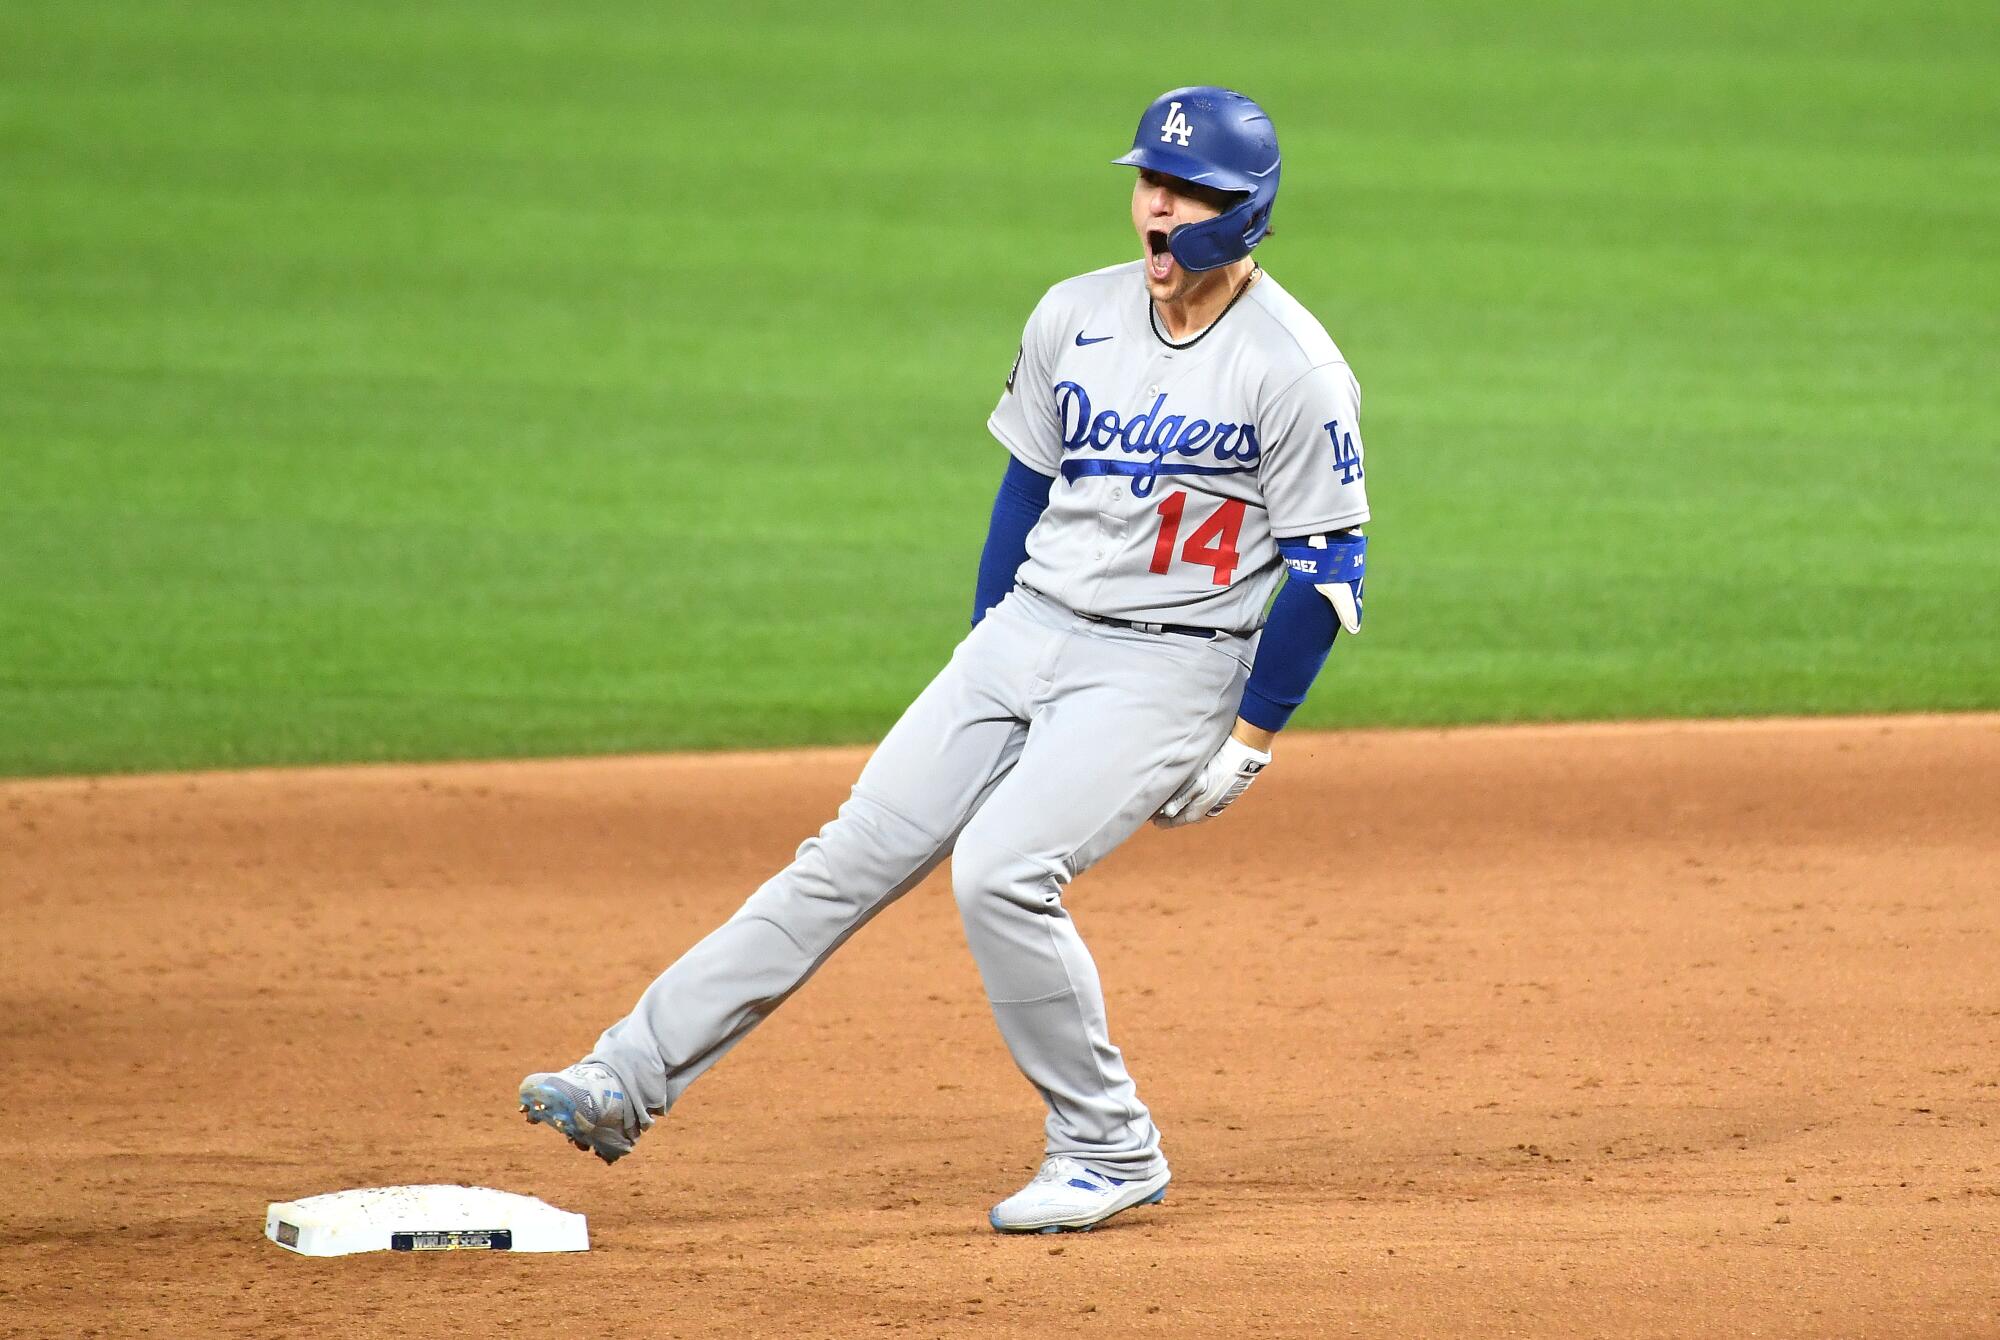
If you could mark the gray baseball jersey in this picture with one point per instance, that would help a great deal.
(1178, 468)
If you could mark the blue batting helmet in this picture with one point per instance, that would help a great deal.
(1218, 139)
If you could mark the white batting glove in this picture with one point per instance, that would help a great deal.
(1345, 597)
(1214, 785)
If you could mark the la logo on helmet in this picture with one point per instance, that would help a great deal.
(1176, 125)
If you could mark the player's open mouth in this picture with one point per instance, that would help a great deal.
(1159, 260)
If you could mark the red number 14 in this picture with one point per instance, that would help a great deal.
(1213, 544)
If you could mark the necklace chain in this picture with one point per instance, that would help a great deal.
(1153, 314)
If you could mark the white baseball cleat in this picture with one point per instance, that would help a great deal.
(587, 1104)
(1067, 1197)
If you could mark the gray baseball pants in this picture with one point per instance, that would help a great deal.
(1045, 742)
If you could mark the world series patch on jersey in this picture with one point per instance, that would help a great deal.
(1178, 468)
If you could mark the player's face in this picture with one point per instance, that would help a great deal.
(1161, 204)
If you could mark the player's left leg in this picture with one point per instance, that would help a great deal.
(1125, 717)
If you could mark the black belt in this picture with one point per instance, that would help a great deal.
(1182, 629)
(1179, 629)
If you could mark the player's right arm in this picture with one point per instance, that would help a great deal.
(1023, 497)
(1025, 420)
(1025, 423)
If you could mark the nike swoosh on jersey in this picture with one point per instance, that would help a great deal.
(1095, 339)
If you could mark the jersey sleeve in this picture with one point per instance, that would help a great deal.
(1025, 419)
(1311, 469)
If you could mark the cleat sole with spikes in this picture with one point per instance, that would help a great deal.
(546, 1105)
(1158, 1197)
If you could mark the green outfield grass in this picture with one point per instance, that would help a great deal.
(419, 380)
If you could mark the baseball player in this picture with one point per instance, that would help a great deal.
(1182, 448)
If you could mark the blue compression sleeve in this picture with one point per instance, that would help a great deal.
(1023, 497)
(1297, 638)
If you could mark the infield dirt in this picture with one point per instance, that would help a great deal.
(1648, 1030)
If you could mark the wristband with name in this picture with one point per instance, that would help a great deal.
(1343, 559)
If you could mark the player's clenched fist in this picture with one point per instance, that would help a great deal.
(1214, 785)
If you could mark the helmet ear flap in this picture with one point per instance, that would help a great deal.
(1214, 243)
(1258, 225)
